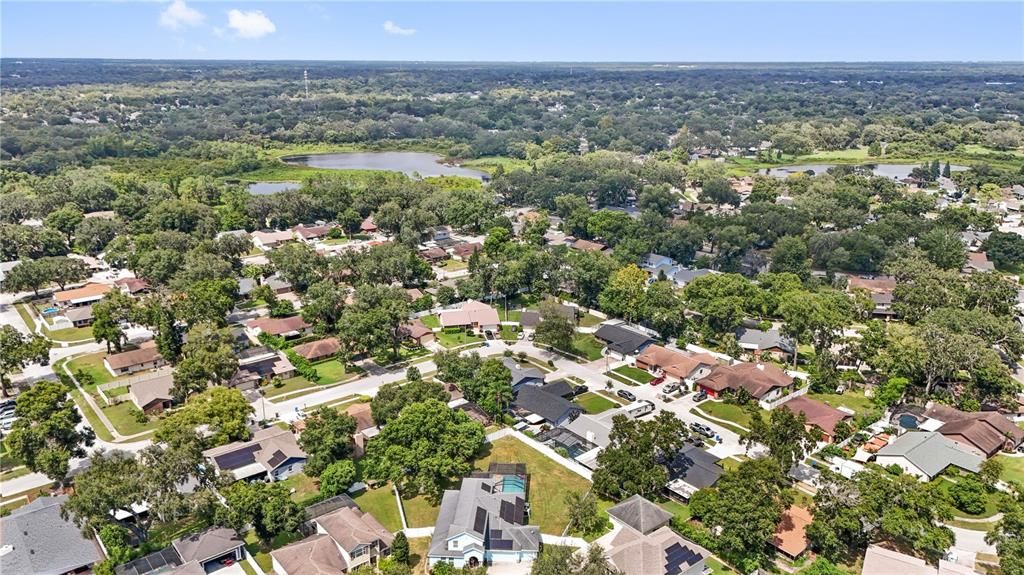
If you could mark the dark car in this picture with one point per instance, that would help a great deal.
(625, 395)
(580, 390)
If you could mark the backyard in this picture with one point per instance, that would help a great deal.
(418, 547)
(305, 488)
(854, 400)
(593, 403)
(420, 512)
(380, 503)
(122, 416)
(431, 321)
(549, 481)
(454, 337)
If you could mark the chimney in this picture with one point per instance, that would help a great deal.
(760, 366)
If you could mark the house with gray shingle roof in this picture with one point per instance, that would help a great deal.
(523, 373)
(926, 454)
(642, 543)
(760, 343)
(36, 540)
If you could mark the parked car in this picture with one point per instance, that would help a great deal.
(580, 390)
(701, 396)
(671, 387)
(529, 337)
(628, 396)
(702, 429)
(658, 380)
(520, 335)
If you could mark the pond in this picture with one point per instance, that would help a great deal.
(892, 171)
(267, 188)
(410, 163)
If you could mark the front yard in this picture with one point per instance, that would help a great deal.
(92, 365)
(122, 416)
(420, 512)
(454, 337)
(854, 400)
(636, 374)
(593, 403)
(586, 345)
(548, 486)
(727, 411)
(1013, 468)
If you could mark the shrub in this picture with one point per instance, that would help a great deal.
(968, 495)
(337, 478)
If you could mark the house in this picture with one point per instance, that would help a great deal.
(643, 543)
(978, 262)
(272, 453)
(153, 395)
(345, 539)
(286, 327)
(926, 454)
(465, 250)
(791, 532)
(588, 246)
(973, 240)
(882, 561)
(685, 276)
(270, 239)
(88, 294)
(36, 540)
(538, 406)
(319, 349)
(622, 342)
(879, 289)
(560, 387)
(366, 428)
(595, 429)
(760, 343)
(434, 255)
(818, 415)
(530, 319)
(368, 226)
(674, 365)
(764, 382)
(440, 233)
(258, 364)
(147, 356)
(208, 547)
(986, 433)
(523, 374)
(79, 316)
(691, 469)
(132, 286)
(310, 234)
(484, 522)
(418, 333)
(472, 314)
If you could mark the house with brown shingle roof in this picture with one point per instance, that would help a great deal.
(368, 226)
(416, 331)
(132, 286)
(88, 294)
(763, 381)
(147, 356)
(315, 555)
(978, 262)
(286, 327)
(465, 250)
(676, 365)
(791, 533)
(153, 395)
(319, 349)
(434, 255)
(588, 246)
(817, 414)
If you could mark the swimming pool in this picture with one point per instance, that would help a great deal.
(513, 484)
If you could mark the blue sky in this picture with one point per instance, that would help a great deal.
(535, 31)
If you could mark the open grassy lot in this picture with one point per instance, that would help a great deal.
(92, 364)
(261, 552)
(330, 371)
(69, 333)
(549, 481)
(381, 503)
(431, 321)
(420, 512)
(509, 315)
(454, 337)
(589, 320)
(634, 373)
(593, 403)
(726, 411)
(453, 265)
(854, 400)
(1013, 468)
(122, 416)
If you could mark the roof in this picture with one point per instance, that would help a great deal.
(79, 313)
(640, 514)
(166, 558)
(88, 291)
(272, 236)
(363, 415)
(979, 261)
(480, 509)
(989, 431)
(416, 329)
(757, 378)
(433, 253)
(686, 276)
(817, 413)
(318, 348)
(146, 353)
(368, 225)
(147, 391)
(521, 371)
(758, 339)
(472, 312)
(314, 555)
(621, 339)
(588, 246)
(673, 362)
(279, 325)
(594, 428)
(42, 543)
(269, 447)
(930, 452)
(553, 408)
(696, 467)
(207, 544)
(466, 249)
(529, 318)
(133, 285)
(874, 285)
(308, 232)
(350, 528)
(663, 552)
(559, 387)
(881, 561)
(791, 532)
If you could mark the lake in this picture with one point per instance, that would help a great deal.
(892, 171)
(267, 188)
(409, 163)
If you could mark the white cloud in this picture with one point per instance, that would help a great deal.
(250, 24)
(392, 28)
(179, 14)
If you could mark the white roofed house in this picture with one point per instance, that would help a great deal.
(473, 314)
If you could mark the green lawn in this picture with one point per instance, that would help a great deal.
(90, 415)
(680, 510)
(508, 332)
(635, 374)
(854, 400)
(306, 488)
(991, 503)
(549, 482)
(335, 241)
(247, 568)
(330, 371)
(590, 320)
(454, 265)
(419, 512)
(418, 547)
(593, 403)
(726, 411)
(431, 321)
(717, 567)
(291, 384)
(1013, 468)
(26, 316)
(116, 391)
(380, 503)
(92, 364)
(162, 533)
(620, 379)
(510, 315)
(586, 345)
(261, 552)
(454, 337)
(70, 333)
(123, 419)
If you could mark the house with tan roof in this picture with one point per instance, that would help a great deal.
(978, 262)
(791, 532)
(879, 289)
(147, 356)
(153, 395)
(678, 366)
(310, 234)
(465, 250)
(207, 548)
(588, 246)
(818, 415)
(132, 286)
(881, 561)
(286, 327)
(270, 239)
(419, 333)
(272, 453)
(88, 294)
(319, 349)
(763, 381)
(472, 315)
(345, 539)
(643, 543)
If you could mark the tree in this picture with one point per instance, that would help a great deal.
(298, 264)
(65, 219)
(566, 560)
(374, 322)
(422, 449)
(18, 351)
(719, 191)
(93, 234)
(206, 301)
(658, 199)
(109, 313)
(990, 472)
(323, 305)
(818, 317)
(224, 411)
(634, 460)
(968, 495)
(207, 359)
(784, 434)
(392, 397)
(327, 438)
(1008, 536)
(113, 485)
(944, 248)
(400, 548)
(490, 387)
(337, 477)
(822, 566)
(664, 310)
(790, 256)
(46, 436)
(588, 274)
(1005, 249)
(624, 294)
(875, 149)
(745, 506)
(268, 507)
(890, 392)
(554, 328)
(583, 515)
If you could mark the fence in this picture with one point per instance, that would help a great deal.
(777, 402)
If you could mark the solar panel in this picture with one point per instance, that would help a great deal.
(507, 511)
(501, 544)
(520, 511)
(276, 459)
(238, 458)
(481, 520)
(486, 487)
(676, 555)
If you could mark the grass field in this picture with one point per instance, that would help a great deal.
(549, 482)
(92, 364)
(380, 502)
(123, 419)
(586, 345)
(420, 512)
(330, 371)
(1013, 468)
(431, 321)
(508, 332)
(620, 379)
(593, 403)
(306, 488)
(261, 552)
(590, 320)
(854, 400)
(635, 374)
(90, 416)
(453, 265)
(490, 163)
(991, 503)
(726, 411)
(454, 337)
(418, 547)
